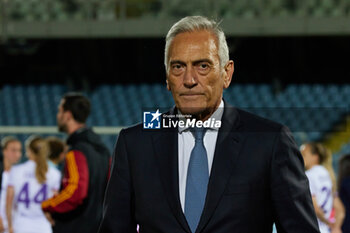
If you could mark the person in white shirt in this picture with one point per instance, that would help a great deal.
(322, 184)
(12, 152)
(30, 184)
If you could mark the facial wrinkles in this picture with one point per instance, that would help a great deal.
(188, 48)
(215, 69)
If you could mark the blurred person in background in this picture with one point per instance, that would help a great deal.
(322, 182)
(77, 208)
(57, 151)
(12, 153)
(31, 183)
(344, 189)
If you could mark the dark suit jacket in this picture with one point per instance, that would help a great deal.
(257, 178)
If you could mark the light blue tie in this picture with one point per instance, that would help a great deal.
(197, 180)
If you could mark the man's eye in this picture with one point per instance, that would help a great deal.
(177, 66)
(177, 69)
(203, 66)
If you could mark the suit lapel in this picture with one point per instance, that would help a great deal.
(165, 142)
(227, 149)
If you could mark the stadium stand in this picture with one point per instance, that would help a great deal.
(35, 10)
(314, 112)
(311, 111)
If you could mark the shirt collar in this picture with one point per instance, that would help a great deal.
(217, 115)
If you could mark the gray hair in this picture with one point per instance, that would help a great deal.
(197, 23)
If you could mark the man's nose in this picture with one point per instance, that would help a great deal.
(190, 78)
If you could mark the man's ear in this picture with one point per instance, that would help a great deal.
(68, 115)
(229, 69)
(167, 84)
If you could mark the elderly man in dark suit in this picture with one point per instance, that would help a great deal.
(240, 177)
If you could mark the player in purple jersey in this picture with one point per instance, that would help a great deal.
(318, 165)
(30, 184)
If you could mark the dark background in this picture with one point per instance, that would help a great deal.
(282, 60)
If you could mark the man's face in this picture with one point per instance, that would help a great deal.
(13, 152)
(195, 76)
(61, 118)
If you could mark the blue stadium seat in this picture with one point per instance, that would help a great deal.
(297, 106)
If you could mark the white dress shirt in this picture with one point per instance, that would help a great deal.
(186, 143)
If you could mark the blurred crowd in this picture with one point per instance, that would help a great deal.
(60, 186)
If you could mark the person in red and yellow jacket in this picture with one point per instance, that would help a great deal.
(77, 208)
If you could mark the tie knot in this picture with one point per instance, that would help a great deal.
(198, 133)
